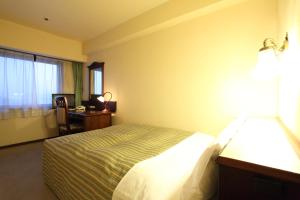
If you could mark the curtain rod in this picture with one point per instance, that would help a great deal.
(34, 55)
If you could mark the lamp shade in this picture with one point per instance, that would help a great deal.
(101, 99)
(267, 66)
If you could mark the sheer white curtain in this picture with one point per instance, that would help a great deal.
(26, 86)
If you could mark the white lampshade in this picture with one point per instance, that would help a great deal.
(267, 66)
(101, 98)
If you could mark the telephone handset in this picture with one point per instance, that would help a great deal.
(80, 108)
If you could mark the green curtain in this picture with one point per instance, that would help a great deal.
(77, 74)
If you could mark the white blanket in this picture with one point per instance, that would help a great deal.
(181, 172)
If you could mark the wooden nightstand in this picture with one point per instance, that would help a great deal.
(92, 119)
(260, 162)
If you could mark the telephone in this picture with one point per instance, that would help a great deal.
(80, 108)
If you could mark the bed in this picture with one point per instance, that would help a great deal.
(131, 162)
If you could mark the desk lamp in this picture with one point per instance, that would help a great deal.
(102, 99)
(267, 65)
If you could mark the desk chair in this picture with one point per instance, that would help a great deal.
(62, 118)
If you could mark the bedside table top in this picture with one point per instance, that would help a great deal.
(262, 142)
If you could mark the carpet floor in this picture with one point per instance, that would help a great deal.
(21, 173)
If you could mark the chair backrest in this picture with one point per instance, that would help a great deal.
(62, 112)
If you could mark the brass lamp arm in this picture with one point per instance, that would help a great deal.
(270, 43)
(105, 105)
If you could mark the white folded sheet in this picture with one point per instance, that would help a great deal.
(184, 171)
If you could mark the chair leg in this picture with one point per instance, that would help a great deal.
(60, 132)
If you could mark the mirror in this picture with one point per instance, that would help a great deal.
(96, 78)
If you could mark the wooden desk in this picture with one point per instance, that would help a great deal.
(259, 163)
(92, 119)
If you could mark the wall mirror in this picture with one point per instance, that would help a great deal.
(96, 78)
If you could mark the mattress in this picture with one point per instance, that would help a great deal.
(90, 165)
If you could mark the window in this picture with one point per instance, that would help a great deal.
(27, 83)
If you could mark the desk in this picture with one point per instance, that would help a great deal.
(91, 119)
(259, 163)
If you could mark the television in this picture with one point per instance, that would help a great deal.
(70, 99)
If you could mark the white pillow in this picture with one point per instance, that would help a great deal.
(168, 175)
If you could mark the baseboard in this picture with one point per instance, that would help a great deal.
(27, 142)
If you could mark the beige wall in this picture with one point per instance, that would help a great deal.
(24, 38)
(289, 101)
(161, 17)
(195, 75)
(19, 130)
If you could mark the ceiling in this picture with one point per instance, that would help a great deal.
(77, 19)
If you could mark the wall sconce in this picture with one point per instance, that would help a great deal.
(102, 99)
(267, 65)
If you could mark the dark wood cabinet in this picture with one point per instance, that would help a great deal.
(260, 163)
(235, 184)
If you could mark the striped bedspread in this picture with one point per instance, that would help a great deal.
(90, 165)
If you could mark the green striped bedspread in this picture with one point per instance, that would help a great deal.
(90, 165)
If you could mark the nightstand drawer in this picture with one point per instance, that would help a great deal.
(97, 122)
(260, 163)
(236, 184)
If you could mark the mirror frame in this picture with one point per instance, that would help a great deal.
(95, 65)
